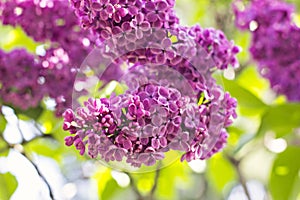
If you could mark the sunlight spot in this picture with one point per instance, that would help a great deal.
(121, 178)
(229, 73)
(86, 42)
(296, 19)
(50, 103)
(79, 86)
(198, 166)
(41, 80)
(69, 190)
(282, 170)
(253, 25)
(276, 145)
(18, 11)
(40, 50)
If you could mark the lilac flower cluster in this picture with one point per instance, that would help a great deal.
(152, 117)
(131, 21)
(15, 88)
(110, 17)
(55, 24)
(274, 45)
(172, 100)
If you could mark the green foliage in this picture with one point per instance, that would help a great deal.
(107, 186)
(3, 123)
(8, 185)
(248, 103)
(285, 176)
(45, 147)
(13, 37)
(281, 119)
(220, 172)
(177, 175)
(111, 189)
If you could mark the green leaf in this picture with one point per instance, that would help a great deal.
(250, 79)
(220, 172)
(280, 119)
(248, 103)
(3, 123)
(177, 175)
(8, 185)
(12, 37)
(284, 182)
(45, 147)
(111, 189)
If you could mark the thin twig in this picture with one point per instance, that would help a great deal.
(154, 187)
(24, 142)
(40, 174)
(242, 180)
(20, 130)
(134, 187)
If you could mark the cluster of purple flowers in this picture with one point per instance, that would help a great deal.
(152, 117)
(275, 43)
(171, 101)
(17, 89)
(111, 17)
(52, 72)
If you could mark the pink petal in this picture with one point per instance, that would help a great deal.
(151, 17)
(150, 6)
(161, 6)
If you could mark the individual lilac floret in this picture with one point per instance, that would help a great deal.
(274, 44)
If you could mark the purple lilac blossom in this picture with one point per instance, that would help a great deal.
(274, 44)
(110, 17)
(22, 88)
(153, 116)
(55, 24)
(158, 112)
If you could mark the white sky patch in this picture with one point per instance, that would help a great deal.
(121, 178)
(69, 190)
(40, 50)
(275, 145)
(256, 190)
(253, 25)
(198, 166)
(229, 73)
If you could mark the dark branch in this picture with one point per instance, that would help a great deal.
(154, 187)
(242, 180)
(40, 174)
(133, 187)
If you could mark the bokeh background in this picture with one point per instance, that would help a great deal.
(262, 157)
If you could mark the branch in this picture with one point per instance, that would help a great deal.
(40, 174)
(154, 187)
(21, 151)
(242, 180)
(133, 186)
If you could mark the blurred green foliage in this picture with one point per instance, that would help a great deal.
(8, 185)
